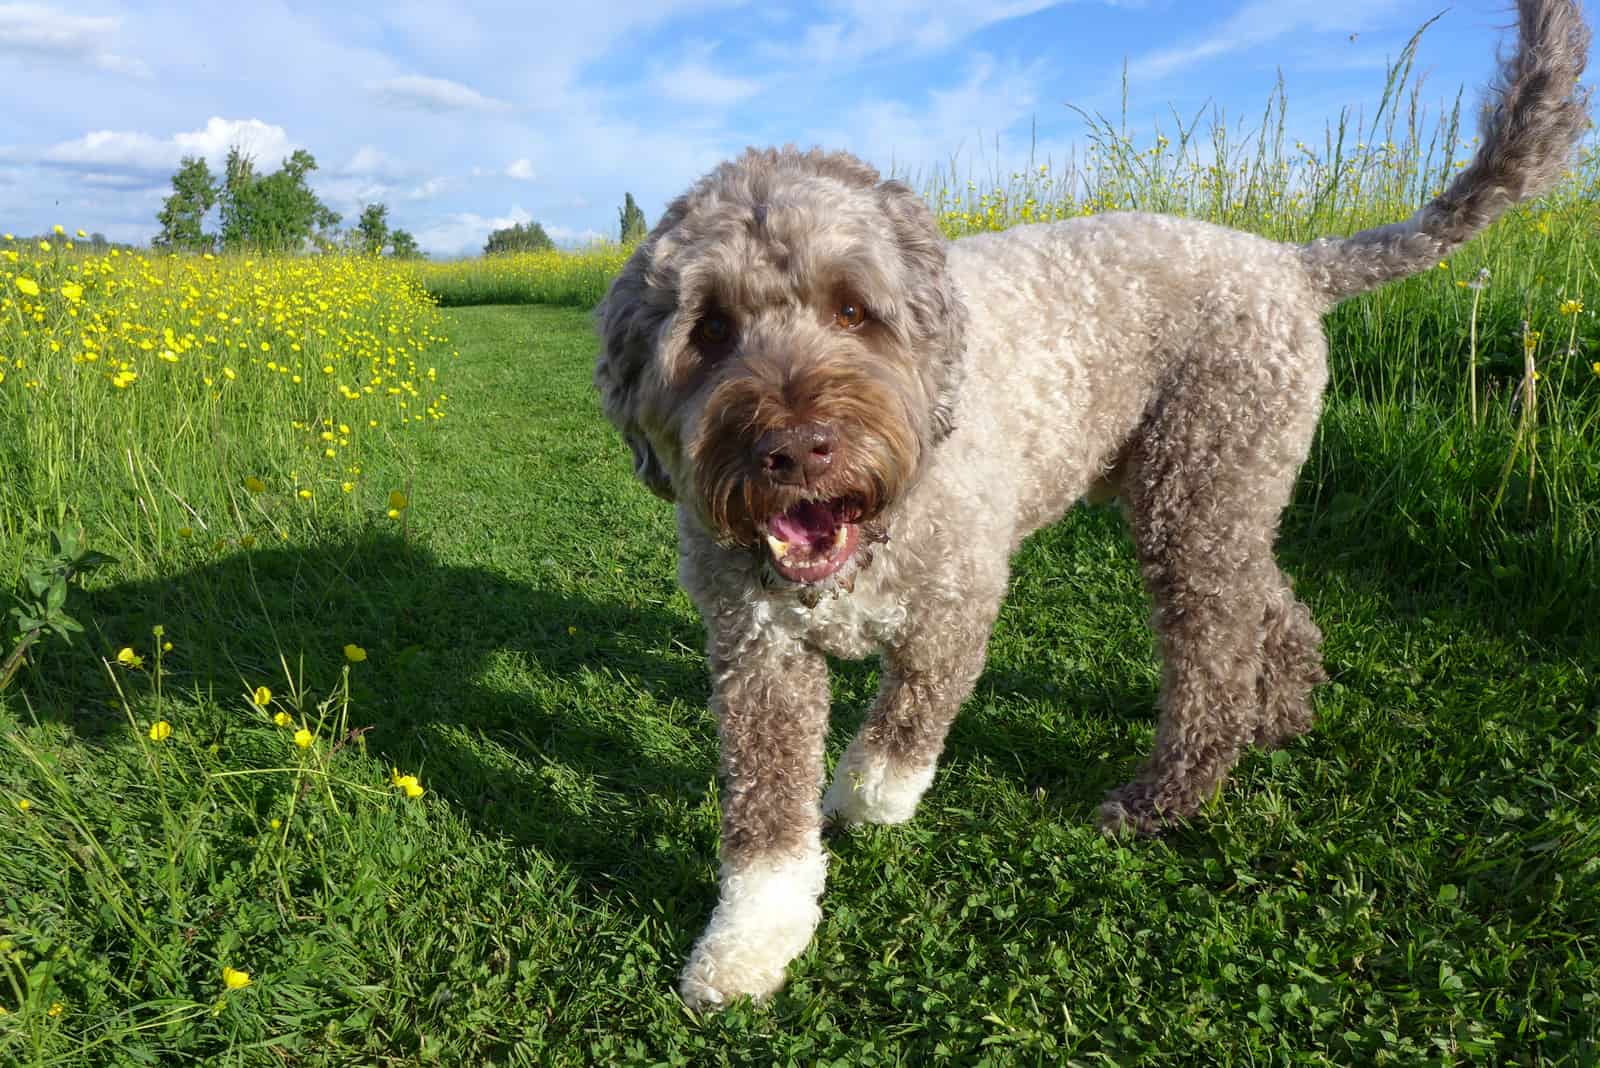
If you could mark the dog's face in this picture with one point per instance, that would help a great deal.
(781, 352)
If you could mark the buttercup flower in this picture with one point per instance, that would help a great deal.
(262, 697)
(234, 979)
(354, 653)
(128, 658)
(408, 783)
(302, 738)
(160, 730)
(282, 719)
(255, 485)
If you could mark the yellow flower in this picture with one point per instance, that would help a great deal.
(302, 738)
(82, 234)
(29, 287)
(274, 823)
(60, 231)
(354, 653)
(262, 697)
(72, 291)
(408, 783)
(56, 1008)
(128, 658)
(347, 486)
(397, 500)
(255, 485)
(23, 804)
(305, 495)
(282, 719)
(1571, 307)
(394, 513)
(160, 730)
(234, 979)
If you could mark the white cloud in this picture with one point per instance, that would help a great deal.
(566, 235)
(695, 82)
(991, 99)
(369, 160)
(432, 94)
(521, 170)
(113, 154)
(32, 29)
(465, 232)
(428, 189)
(1254, 24)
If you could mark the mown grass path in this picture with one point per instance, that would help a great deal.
(1417, 881)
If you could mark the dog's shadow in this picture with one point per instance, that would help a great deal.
(567, 723)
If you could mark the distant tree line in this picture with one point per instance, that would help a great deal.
(276, 212)
(279, 212)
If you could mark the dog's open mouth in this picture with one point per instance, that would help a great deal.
(814, 539)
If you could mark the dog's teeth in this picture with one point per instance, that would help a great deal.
(780, 548)
(838, 536)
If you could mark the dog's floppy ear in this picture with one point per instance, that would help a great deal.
(627, 329)
(938, 315)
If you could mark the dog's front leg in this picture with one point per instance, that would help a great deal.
(890, 763)
(771, 700)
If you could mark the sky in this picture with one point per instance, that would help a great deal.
(464, 118)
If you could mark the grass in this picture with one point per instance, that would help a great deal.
(424, 765)
(1414, 883)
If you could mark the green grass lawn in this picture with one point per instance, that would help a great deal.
(1418, 881)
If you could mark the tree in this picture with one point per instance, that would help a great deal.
(372, 232)
(182, 214)
(632, 219)
(518, 237)
(273, 212)
(403, 245)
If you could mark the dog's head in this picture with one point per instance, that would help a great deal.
(782, 352)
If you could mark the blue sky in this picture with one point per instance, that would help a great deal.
(464, 118)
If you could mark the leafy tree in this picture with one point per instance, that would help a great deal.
(273, 212)
(518, 237)
(372, 232)
(194, 192)
(403, 245)
(634, 226)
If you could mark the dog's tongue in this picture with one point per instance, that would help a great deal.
(809, 525)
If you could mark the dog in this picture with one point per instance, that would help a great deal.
(859, 422)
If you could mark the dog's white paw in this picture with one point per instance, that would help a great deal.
(765, 918)
(870, 789)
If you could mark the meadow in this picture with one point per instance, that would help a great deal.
(350, 712)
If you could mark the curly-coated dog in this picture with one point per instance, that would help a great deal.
(860, 421)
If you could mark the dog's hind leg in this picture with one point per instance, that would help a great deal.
(891, 761)
(1209, 472)
(1291, 666)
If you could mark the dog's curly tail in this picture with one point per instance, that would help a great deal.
(1531, 121)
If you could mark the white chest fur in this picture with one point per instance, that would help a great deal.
(851, 625)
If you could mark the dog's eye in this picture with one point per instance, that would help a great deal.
(714, 331)
(849, 315)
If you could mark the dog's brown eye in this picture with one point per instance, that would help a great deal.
(713, 331)
(849, 315)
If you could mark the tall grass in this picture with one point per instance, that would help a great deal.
(574, 279)
(164, 403)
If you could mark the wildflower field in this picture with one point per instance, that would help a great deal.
(350, 713)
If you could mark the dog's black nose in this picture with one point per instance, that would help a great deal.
(797, 455)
